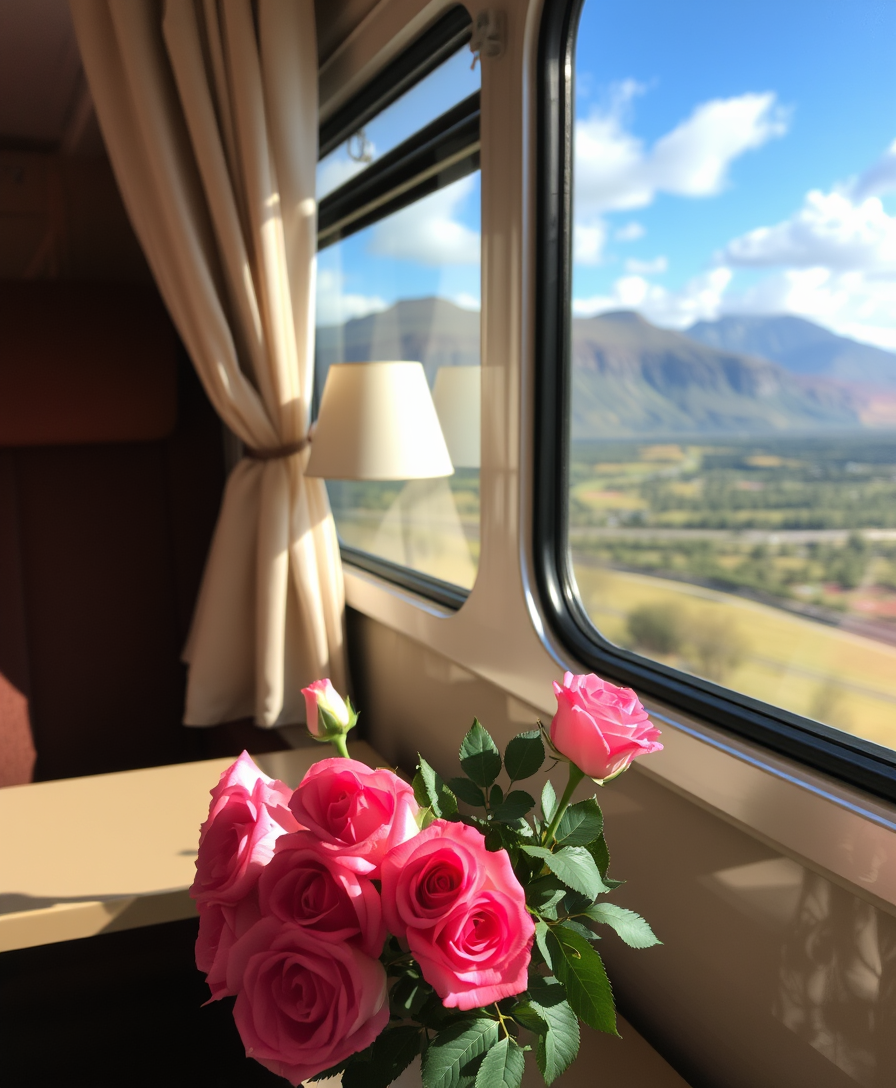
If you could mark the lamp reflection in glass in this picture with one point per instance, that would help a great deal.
(457, 397)
(377, 422)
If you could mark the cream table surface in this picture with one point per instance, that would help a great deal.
(82, 856)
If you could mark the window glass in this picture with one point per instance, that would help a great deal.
(436, 93)
(733, 408)
(407, 287)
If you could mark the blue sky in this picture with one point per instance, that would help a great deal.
(429, 248)
(730, 157)
(738, 157)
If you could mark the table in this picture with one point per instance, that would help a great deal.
(82, 856)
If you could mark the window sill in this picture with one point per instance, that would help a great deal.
(848, 835)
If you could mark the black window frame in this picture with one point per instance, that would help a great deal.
(850, 759)
(440, 153)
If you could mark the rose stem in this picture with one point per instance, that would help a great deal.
(575, 777)
(338, 742)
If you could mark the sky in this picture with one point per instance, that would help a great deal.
(431, 247)
(729, 158)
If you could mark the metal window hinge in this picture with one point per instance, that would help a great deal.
(488, 35)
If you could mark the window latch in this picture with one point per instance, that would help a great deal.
(488, 35)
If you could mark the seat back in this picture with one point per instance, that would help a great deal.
(111, 473)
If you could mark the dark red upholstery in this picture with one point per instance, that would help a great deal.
(103, 538)
(84, 365)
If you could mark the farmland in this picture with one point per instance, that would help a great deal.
(767, 565)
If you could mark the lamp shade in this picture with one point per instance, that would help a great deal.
(457, 398)
(377, 422)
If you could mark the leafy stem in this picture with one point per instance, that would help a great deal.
(575, 777)
(503, 1022)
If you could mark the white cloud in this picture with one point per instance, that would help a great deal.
(830, 230)
(334, 307)
(336, 170)
(467, 301)
(429, 231)
(588, 242)
(614, 169)
(699, 300)
(856, 304)
(631, 232)
(879, 179)
(647, 268)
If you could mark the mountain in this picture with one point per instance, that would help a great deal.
(800, 346)
(431, 331)
(629, 378)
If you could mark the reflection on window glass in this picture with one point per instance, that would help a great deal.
(436, 93)
(733, 459)
(408, 288)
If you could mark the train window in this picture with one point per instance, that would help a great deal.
(434, 95)
(730, 331)
(399, 278)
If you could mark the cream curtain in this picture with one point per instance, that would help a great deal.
(209, 113)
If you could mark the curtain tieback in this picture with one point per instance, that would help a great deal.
(278, 451)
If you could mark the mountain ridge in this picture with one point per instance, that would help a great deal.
(629, 377)
(800, 346)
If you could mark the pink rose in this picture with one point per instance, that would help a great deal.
(220, 926)
(462, 912)
(305, 886)
(303, 1004)
(247, 814)
(358, 814)
(599, 727)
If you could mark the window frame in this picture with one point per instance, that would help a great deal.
(852, 759)
(440, 153)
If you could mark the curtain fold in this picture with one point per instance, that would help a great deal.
(209, 113)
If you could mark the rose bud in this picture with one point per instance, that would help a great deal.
(599, 727)
(328, 714)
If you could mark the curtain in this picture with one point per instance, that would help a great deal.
(209, 113)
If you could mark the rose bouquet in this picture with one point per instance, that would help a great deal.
(360, 921)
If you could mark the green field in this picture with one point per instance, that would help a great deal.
(825, 673)
(700, 555)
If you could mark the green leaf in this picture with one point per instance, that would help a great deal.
(541, 938)
(598, 850)
(527, 1016)
(467, 791)
(502, 1066)
(447, 1061)
(556, 1048)
(335, 1070)
(544, 894)
(581, 824)
(524, 755)
(580, 969)
(479, 756)
(548, 801)
(392, 1052)
(578, 927)
(631, 927)
(495, 796)
(574, 866)
(436, 794)
(408, 995)
(575, 903)
(515, 805)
